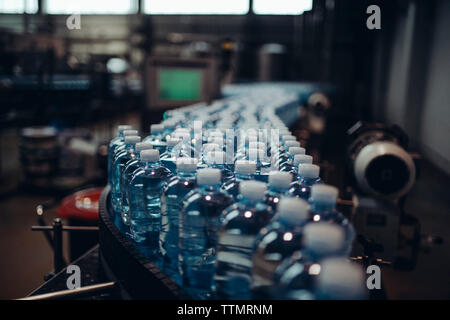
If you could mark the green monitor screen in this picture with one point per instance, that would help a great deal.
(180, 84)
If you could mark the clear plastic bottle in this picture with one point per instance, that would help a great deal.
(288, 164)
(120, 147)
(263, 164)
(323, 208)
(283, 156)
(279, 184)
(217, 160)
(156, 137)
(308, 175)
(243, 171)
(113, 144)
(132, 165)
(117, 168)
(171, 204)
(298, 160)
(198, 232)
(279, 240)
(240, 224)
(144, 193)
(169, 157)
(294, 278)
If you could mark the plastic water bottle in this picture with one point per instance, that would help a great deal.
(279, 184)
(263, 164)
(240, 224)
(279, 240)
(323, 202)
(171, 204)
(298, 160)
(308, 175)
(340, 279)
(283, 156)
(132, 165)
(117, 168)
(198, 232)
(169, 157)
(217, 159)
(117, 147)
(144, 193)
(156, 137)
(243, 171)
(121, 145)
(288, 164)
(114, 143)
(294, 277)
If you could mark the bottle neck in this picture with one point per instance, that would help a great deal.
(131, 148)
(278, 189)
(319, 207)
(186, 175)
(151, 164)
(249, 202)
(303, 180)
(240, 176)
(210, 188)
(157, 136)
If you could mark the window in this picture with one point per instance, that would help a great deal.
(91, 6)
(18, 6)
(281, 7)
(196, 6)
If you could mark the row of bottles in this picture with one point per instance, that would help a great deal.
(227, 203)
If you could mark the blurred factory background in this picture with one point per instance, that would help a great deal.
(78, 84)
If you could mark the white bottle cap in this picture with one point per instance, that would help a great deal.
(132, 139)
(181, 135)
(216, 134)
(341, 279)
(184, 130)
(124, 127)
(257, 145)
(143, 146)
(208, 177)
(308, 171)
(323, 238)
(208, 147)
(296, 150)
(324, 193)
(172, 142)
(156, 128)
(216, 140)
(151, 155)
(256, 154)
(302, 158)
(292, 143)
(253, 190)
(169, 124)
(130, 132)
(288, 137)
(245, 167)
(187, 164)
(293, 210)
(280, 179)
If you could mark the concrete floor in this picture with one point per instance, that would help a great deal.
(26, 256)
